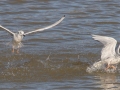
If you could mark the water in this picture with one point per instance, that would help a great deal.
(56, 59)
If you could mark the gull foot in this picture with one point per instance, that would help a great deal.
(109, 66)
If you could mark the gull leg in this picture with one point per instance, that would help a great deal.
(113, 67)
(12, 50)
(18, 50)
(108, 66)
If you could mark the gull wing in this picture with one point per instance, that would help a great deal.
(7, 30)
(109, 46)
(42, 29)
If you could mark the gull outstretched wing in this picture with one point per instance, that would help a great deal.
(42, 29)
(109, 46)
(7, 30)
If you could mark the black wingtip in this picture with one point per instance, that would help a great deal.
(64, 16)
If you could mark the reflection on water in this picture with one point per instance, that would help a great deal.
(109, 82)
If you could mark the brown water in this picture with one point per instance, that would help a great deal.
(56, 59)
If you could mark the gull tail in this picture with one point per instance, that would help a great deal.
(96, 66)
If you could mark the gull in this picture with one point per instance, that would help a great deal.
(110, 52)
(18, 37)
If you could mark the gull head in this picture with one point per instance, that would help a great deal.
(21, 33)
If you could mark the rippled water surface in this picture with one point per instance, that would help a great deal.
(56, 59)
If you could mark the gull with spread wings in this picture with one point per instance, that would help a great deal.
(110, 53)
(17, 37)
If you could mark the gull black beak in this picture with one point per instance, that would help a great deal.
(24, 35)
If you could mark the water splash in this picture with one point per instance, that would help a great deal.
(99, 66)
(96, 66)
